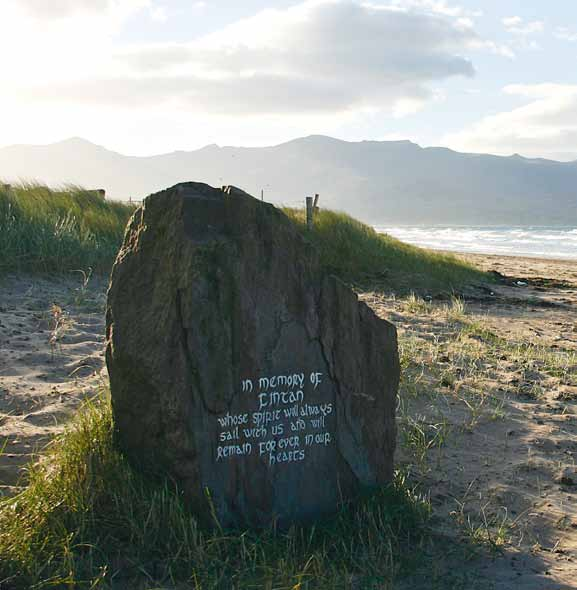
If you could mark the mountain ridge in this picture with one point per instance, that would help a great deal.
(378, 181)
(82, 141)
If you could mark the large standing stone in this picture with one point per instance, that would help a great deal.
(239, 368)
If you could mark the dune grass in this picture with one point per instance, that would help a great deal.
(87, 520)
(50, 231)
(358, 254)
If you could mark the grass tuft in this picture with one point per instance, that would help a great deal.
(356, 253)
(49, 230)
(88, 520)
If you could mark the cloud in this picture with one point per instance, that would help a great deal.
(436, 6)
(92, 17)
(501, 49)
(512, 21)
(545, 126)
(320, 55)
(566, 34)
(63, 8)
(518, 26)
(159, 14)
(56, 9)
(50, 42)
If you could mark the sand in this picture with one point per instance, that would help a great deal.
(505, 456)
(51, 359)
(507, 465)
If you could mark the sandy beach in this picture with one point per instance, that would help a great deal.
(495, 397)
(487, 416)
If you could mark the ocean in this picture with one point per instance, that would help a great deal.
(540, 242)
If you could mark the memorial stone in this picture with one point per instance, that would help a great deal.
(240, 368)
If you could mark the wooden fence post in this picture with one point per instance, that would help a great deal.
(309, 201)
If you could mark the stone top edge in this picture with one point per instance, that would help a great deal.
(193, 189)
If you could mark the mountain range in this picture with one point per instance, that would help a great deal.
(381, 182)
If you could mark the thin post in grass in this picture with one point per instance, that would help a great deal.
(316, 204)
(309, 202)
(100, 192)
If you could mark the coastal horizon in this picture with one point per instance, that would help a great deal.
(525, 241)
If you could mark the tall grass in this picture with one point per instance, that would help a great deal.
(87, 520)
(61, 230)
(58, 230)
(357, 253)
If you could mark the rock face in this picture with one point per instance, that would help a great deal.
(241, 370)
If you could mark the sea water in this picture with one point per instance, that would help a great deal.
(542, 242)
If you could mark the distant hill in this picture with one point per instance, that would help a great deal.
(389, 182)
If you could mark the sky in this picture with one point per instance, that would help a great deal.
(143, 77)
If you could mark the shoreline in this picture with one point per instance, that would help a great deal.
(546, 243)
(521, 257)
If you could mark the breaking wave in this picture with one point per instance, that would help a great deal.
(542, 242)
